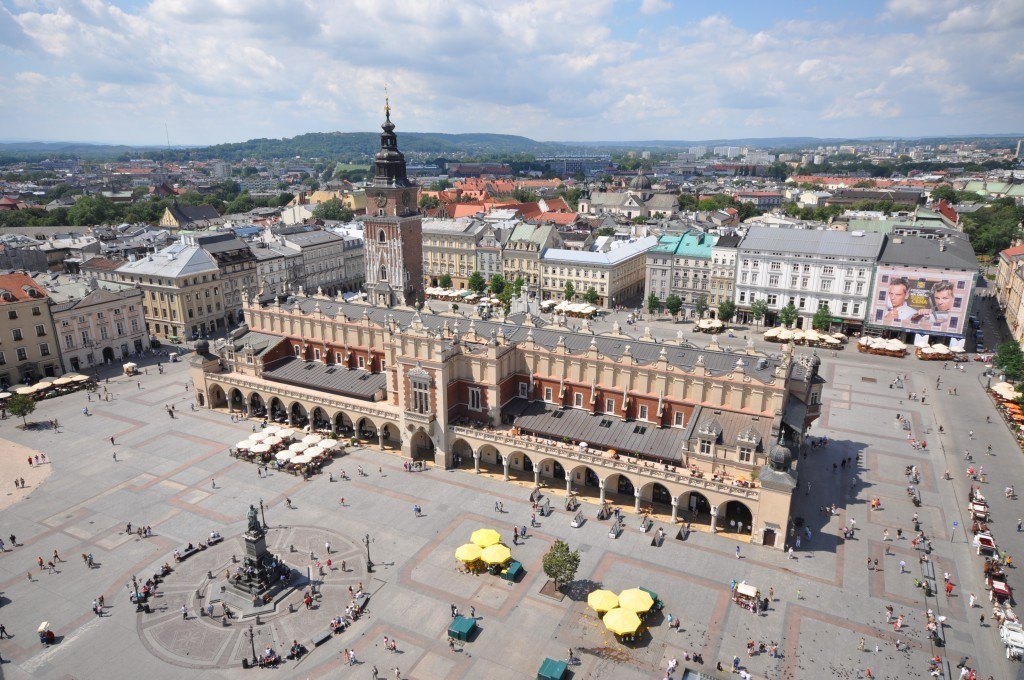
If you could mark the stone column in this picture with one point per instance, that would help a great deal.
(568, 483)
(380, 438)
(601, 485)
(536, 477)
(505, 461)
(675, 509)
(636, 505)
(714, 518)
(476, 462)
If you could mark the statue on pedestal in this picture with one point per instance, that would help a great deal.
(254, 520)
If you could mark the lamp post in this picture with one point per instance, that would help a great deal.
(252, 645)
(369, 562)
(263, 514)
(138, 597)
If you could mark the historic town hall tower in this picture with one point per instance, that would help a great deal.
(392, 229)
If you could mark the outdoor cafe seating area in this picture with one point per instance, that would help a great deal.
(1005, 396)
(486, 553)
(625, 614)
(809, 337)
(287, 450)
(52, 387)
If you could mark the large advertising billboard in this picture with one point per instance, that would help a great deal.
(912, 299)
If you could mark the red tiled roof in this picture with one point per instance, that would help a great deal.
(1013, 252)
(19, 285)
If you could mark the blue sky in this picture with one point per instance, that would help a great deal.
(229, 70)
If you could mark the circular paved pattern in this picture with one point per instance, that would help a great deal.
(202, 642)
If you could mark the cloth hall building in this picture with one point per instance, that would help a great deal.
(697, 435)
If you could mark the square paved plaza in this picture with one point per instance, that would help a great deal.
(176, 476)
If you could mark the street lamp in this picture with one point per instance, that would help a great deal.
(263, 514)
(252, 644)
(138, 598)
(369, 562)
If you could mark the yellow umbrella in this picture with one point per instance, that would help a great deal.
(622, 621)
(636, 600)
(496, 554)
(485, 537)
(602, 600)
(468, 553)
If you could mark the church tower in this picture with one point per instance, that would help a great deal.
(392, 229)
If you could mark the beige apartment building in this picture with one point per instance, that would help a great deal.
(28, 346)
(181, 291)
(449, 247)
(521, 256)
(616, 275)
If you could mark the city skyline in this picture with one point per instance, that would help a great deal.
(644, 70)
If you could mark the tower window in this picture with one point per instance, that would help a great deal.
(383, 273)
(381, 236)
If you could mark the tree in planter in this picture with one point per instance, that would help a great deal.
(726, 311)
(653, 303)
(21, 405)
(570, 290)
(590, 297)
(758, 309)
(788, 314)
(476, 282)
(560, 564)
(446, 281)
(673, 303)
(700, 305)
(822, 318)
(517, 286)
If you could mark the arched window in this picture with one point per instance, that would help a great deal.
(381, 236)
(383, 273)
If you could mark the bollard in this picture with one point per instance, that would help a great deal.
(199, 595)
(209, 575)
(291, 548)
(233, 559)
(291, 608)
(311, 555)
(258, 620)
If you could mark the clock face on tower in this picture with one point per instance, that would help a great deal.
(382, 200)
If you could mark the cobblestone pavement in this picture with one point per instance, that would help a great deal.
(826, 599)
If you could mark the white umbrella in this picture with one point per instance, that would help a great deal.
(312, 439)
(257, 437)
(260, 448)
(271, 429)
(298, 447)
(63, 381)
(284, 456)
(784, 334)
(81, 378)
(301, 459)
(45, 385)
(285, 433)
(328, 444)
(4, 395)
(244, 445)
(25, 390)
(272, 440)
(772, 332)
(314, 451)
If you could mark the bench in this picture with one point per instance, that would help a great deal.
(321, 638)
(185, 554)
(215, 541)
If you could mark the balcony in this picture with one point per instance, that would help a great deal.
(624, 464)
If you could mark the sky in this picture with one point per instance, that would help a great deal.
(555, 70)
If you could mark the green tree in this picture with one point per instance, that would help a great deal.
(570, 290)
(687, 202)
(591, 296)
(726, 310)
(1008, 358)
(446, 281)
(93, 210)
(673, 303)
(605, 231)
(524, 196)
(788, 314)
(653, 303)
(560, 564)
(333, 209)
(991, 229)
(476, 282)
(429, 202)
(21, 405)
(822, 318)
(700, 305)
(517, 286)
(498, 284)
(240, 204)
(440, 185)
(758, 310)
(944, 191)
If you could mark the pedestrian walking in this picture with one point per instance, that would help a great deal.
(971, 600)
(112, 442)
(3, 632)
(860, 646)
(903, 567)
(375, 672)
(327, 547)
(451, 644)
(184, 613)
(949, 589)
(115, 456)
(771, 593)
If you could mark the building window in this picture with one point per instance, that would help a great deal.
(382, 237)
(679, 418)
(746, 454)
(12, 314)
(547, 394)
(16, 333)
(705, 447)
(337, 357)
(642, 415)
(22, 354)
(420, 396)
(298, 350)
(474, 398)
(3, 360)
(40, 331)
(316, 354)
(773, 300)
(577, 399)
(609, 406)
(383, 273)
(44, 349)
(523, 389)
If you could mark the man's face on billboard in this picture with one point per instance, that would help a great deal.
(943, 300)
(897, 295)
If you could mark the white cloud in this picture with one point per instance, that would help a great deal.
(218, 70)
